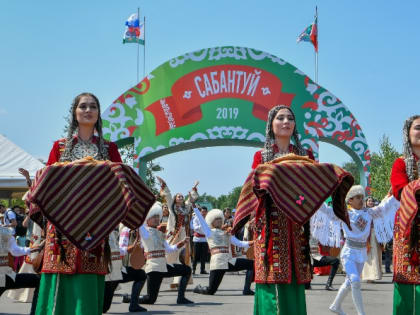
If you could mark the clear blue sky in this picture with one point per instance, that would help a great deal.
(52, 50)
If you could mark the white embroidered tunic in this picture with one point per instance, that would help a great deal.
(326, 228)
(155, 246)
(8, 244)
(219, 243)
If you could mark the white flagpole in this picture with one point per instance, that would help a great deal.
(138, 48)
(144, 47)
(316, 51)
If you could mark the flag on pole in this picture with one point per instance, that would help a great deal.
(310, 34)
(134, 31)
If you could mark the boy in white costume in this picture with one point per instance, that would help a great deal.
(221, 257)
(8, 278)
(326, 227)
(155, 247)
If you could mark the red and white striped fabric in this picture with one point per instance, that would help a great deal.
(87, 199)
(297, 185)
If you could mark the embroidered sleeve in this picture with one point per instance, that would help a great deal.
(192, 197)
(169, 201)
(124, 240)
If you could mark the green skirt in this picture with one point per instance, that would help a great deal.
(77, 294)
(280, 299)
(406, 299)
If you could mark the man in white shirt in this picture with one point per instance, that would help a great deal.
(8, 278)
(201, 247)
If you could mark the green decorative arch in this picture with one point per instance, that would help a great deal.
(220, 97)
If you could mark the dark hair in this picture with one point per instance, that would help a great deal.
(267, 152)
(268, 155)
(74, 124)
(66, 156)
(204, 208)
(173, 207)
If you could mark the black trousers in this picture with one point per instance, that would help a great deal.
(154, 280)
(216, 276)
(110, 286)
(22, 281)
(201, 250)
(326, 261)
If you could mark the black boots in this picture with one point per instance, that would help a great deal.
(248, 280)
(201, 290)
(135, 291)
(328, 285)
(181, 291)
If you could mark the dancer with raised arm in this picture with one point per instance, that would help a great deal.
(155, 247)
(178, 225)
(221, 259)
(326, 227)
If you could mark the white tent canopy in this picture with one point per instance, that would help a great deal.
(12, 158)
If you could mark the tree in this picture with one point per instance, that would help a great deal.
(380, 167)
(223, 201)
(127, 155)
(352, 168)
(151, 168)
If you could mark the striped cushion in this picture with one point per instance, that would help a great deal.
(409, 206)
(87, 199)
(297, 185)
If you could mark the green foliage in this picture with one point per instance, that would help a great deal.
(223, 201)
(380, 168)
(381, 165)
(150, 176)
(127, 155)
(352, 168)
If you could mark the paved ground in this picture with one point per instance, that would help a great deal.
(229, 299)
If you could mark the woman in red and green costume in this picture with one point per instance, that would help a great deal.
(285, 267)
(73, 280)
(405, 185)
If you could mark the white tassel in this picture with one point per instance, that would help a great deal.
(326, 228)
(384, 224)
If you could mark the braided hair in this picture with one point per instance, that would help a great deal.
(103, 154)
(268, 155)
(74, 125)
(411, 167)
(174, 209)
(412, 170)
(270, 139)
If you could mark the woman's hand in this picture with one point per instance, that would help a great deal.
(161, 181)
(25, 174)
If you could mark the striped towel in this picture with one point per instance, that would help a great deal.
(297, 185)
(87, 199)
(409, 206)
